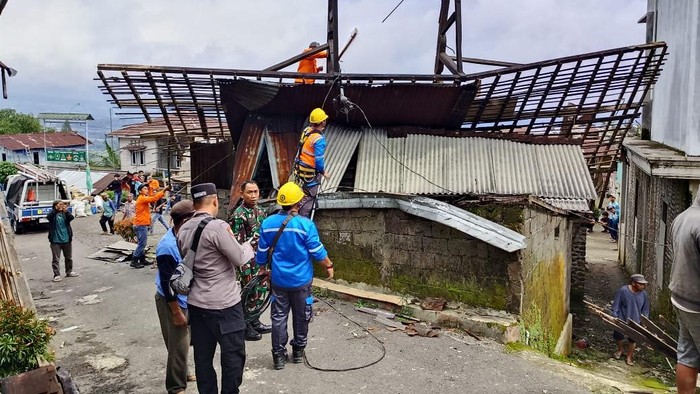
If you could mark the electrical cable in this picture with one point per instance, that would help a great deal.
(381, 344)
(392, 11)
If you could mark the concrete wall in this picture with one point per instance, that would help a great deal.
(546, 277)
(650, 206)
(676, 96)
(390, 248)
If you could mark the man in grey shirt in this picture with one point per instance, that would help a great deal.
(685, 294)
(214, 302)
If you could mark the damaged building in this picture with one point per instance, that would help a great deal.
(471, 187)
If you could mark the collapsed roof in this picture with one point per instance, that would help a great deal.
(589, 100)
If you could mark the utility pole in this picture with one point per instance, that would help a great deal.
(332, 64)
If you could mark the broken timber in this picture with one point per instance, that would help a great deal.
(648, 333)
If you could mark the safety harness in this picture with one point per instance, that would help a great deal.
(303, 174)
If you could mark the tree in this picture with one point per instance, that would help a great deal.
(6, 169)
(12, 122)
(66, 126)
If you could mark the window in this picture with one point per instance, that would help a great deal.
(36, 158)
(4, 157)
(138, 157)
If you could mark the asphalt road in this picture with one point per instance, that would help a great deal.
(109, 339)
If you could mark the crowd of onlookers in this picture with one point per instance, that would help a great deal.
(609, 219)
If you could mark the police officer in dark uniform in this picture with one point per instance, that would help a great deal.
(214, 301)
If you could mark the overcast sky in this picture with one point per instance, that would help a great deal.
(56, 45)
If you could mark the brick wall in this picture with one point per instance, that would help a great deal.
(646, 245)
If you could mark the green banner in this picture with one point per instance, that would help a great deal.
(65, 156)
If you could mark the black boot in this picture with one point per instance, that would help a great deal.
(297, 354)
(261, 328)
(279, 359)
(144, 261)
(136, 263)
(251, 334)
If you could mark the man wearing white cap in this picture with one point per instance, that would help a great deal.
(630, 303)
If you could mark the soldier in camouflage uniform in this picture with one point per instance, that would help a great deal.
(245, 224)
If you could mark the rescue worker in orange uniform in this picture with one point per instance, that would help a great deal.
(310, 162)
(308, 65)
(142, 221)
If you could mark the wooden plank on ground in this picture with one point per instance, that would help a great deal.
(367, 295)
(656, 330)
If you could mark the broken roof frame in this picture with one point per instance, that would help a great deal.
(589, 99)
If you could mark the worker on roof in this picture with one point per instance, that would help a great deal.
(308, 65)
(310, 162)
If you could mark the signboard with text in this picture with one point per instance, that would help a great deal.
(65, 156)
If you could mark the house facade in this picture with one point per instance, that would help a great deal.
(32, 147)
(662, 168)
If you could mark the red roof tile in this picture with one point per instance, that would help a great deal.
(41, 140)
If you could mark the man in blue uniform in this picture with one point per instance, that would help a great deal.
(291, 271)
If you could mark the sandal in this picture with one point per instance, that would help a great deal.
(629, 362)
(617, 355)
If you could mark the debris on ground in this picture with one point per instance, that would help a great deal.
(117, 252)
(376, 312)
(423, 330)
(433, 304)
(390, 323)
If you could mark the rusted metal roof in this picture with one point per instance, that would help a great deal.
(247, 156)
(64, 139)
(402, 104)
(420, 164)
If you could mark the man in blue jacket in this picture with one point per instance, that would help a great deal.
(291, 271)
(171, 307)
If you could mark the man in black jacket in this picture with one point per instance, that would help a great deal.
(60, 239)
(116, 187)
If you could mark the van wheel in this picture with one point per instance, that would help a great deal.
(17, 227)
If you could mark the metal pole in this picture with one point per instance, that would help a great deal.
(46, 161)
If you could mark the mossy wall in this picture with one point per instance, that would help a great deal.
(416, 256)
(546, 277)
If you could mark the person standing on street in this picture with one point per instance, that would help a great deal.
(291, 271)
(61, 239)
(631, 303)
(172, 308)
(685, 294)
(158, 215)
(108, 212)
(245, 223)
(310, 162)
(129, 209)
(214, 301)
(141, 223)
(116, 187)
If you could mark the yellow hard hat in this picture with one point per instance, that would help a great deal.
(317, 115)
(289, 194)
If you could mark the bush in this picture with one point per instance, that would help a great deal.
(23, 339)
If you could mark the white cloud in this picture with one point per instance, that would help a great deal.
(56, 46)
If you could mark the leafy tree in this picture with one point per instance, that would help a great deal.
(66, 126)
(12, 122)
(107, 159)
(6, 169)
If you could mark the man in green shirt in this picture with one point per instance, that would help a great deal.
(245, 224)
(61, 238)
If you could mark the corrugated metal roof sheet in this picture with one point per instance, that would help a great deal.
(24, 141)
(569, 204)
(247, 157)
(76, 179)
(158, 126)
(78, 117)
(445, 165)
(342, 142)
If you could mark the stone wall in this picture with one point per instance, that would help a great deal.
(546, 276)
(579, 268)
(405, 253)
(648, 210)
